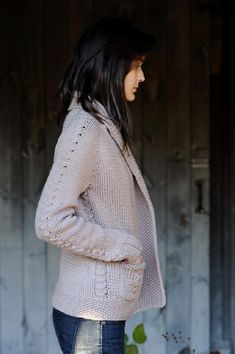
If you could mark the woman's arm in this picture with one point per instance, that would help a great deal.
(56, 219)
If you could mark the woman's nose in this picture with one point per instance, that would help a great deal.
(141, 77)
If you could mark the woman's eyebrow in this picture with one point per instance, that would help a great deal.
(140, 60)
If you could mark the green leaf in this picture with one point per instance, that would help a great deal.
(131, 349)
(126, 338)
(139, 335)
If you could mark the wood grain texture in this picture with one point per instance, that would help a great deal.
(232, 165)
(200, 302)
(11, 269)
(178, 171)
(220, 186)
(35, 326)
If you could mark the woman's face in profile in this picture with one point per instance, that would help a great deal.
(133, 78)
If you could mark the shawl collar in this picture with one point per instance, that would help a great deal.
(127, 154)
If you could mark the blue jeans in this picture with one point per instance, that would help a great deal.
(82, 336)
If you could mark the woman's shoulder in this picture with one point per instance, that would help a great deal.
(83, 125)
(80, 131)
(77, 118)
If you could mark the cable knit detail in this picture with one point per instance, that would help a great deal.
(95, 207)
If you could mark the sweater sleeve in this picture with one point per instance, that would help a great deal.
(57, 220)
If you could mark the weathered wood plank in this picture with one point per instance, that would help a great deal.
(200, 307)
(232, 163)
(226, 156)
(220, 243)
(11, 270)
(216, 215)
(178, 171)
(35, 326)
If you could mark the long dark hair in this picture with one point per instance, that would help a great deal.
(101, 60)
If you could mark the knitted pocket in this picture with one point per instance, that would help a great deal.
(132, 280)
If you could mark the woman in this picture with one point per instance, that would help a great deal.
(95, 205)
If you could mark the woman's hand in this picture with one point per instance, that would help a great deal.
(134, 260)
(132, 255)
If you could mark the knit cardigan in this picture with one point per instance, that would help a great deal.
(95, 206)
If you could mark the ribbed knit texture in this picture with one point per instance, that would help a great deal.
(95, 206)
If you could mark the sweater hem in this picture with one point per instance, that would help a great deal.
(101, 309)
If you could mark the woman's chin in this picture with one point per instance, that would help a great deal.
(130, 97)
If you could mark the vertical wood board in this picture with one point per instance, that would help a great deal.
(35, 326)
(232, 166)
(200, 307)
(11, 270)
(178, 172)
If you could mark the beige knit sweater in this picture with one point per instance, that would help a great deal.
(95, 206)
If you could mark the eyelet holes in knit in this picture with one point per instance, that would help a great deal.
(65, 160)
